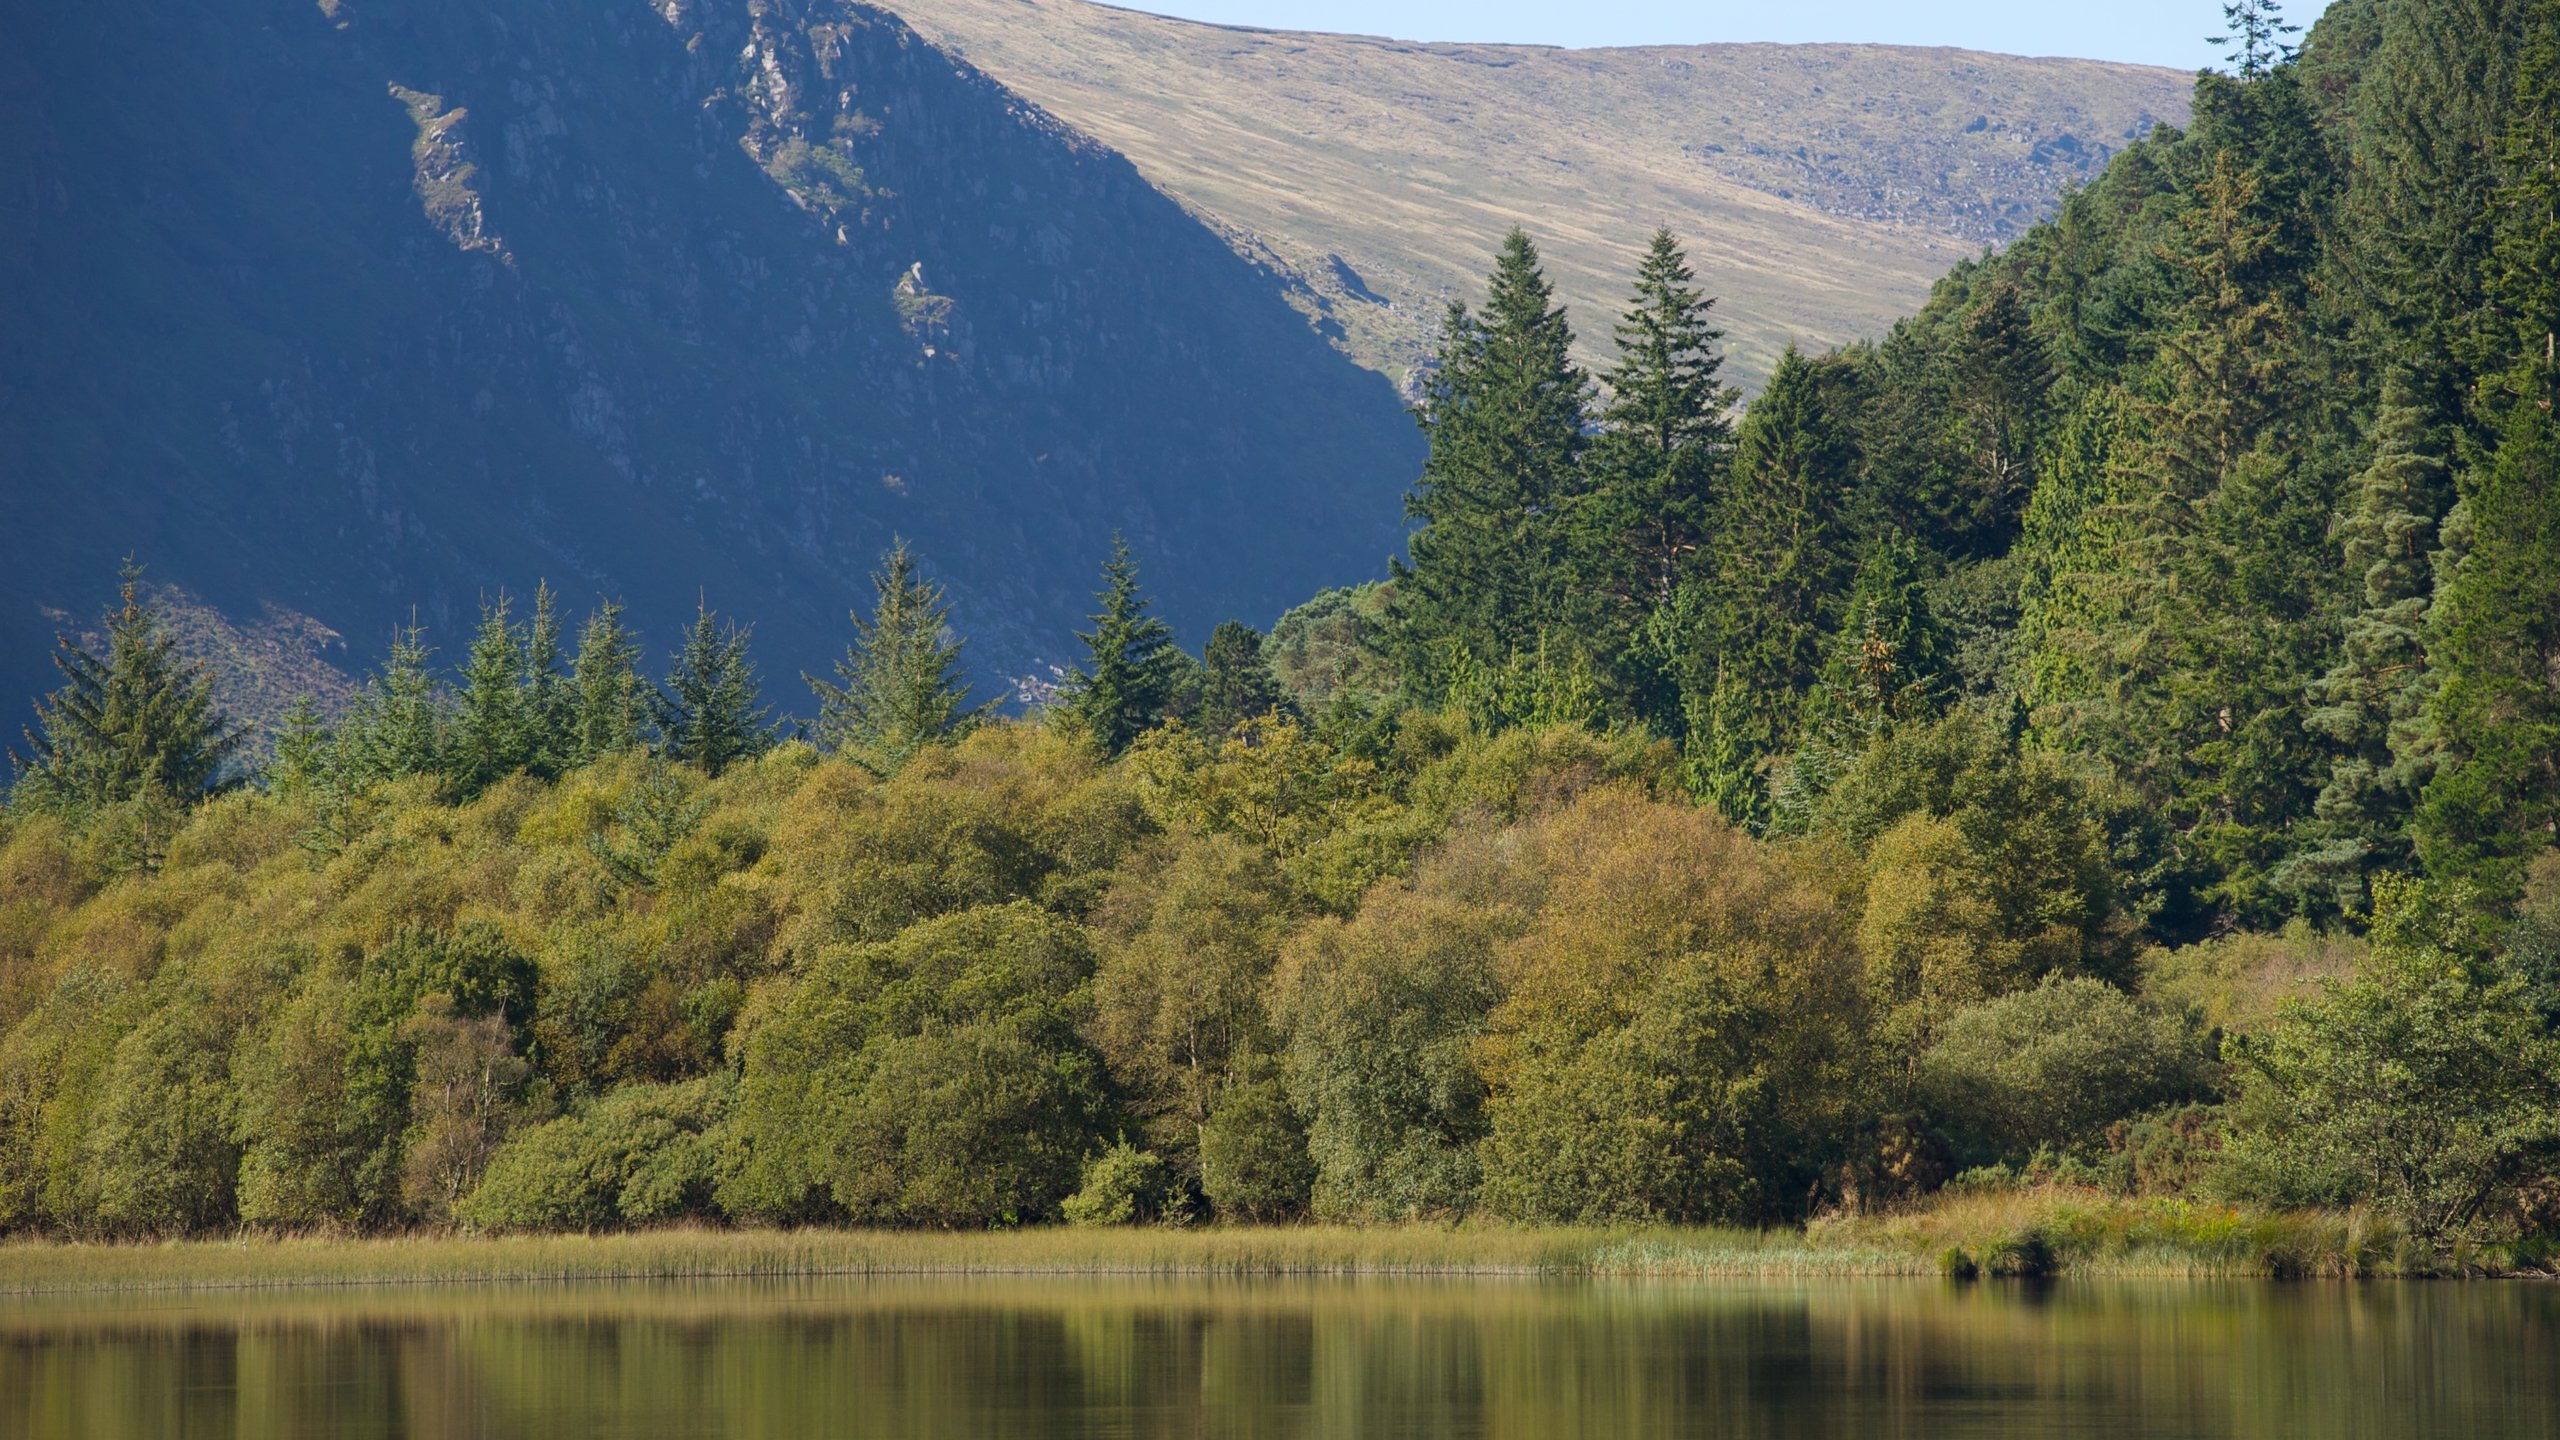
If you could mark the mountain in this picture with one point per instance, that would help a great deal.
(1821, 188)
(325, 311)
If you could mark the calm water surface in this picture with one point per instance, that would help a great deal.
(930, 1359)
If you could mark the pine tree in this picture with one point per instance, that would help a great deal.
(304, 750)
(494, 735)
(2492, 727)
(550, 705)
(1236, 682)
(1663, 432)
(1504, 410)
(1887, 659)
(607, 701)
(707, 713)
(1131, 671)
(900, 686)
(401, 726)
(2255, 36)
(1782, 559)
(2369, 702)
(137, 721)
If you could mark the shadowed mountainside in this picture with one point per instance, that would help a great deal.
(344, 308)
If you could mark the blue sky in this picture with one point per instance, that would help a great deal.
(2157, 32)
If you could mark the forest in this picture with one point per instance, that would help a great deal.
(2105, 733)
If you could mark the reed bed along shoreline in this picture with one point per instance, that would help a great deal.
(2028, 1234)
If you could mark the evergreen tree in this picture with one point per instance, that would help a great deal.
(707, 713)
(2492, 728)
(1887, 659)
(607, 701)
(1783, 555)
(1652, 498)
(1236, 681)
(137, 721)
(1132, 670)
(2255, 37)
(401, 725)
(899, 686)
(303, 760)
(1504, 410)
(494, 733)
(2368, 703)
(550, 705)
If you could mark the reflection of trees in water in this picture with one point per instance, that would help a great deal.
(935, 1359)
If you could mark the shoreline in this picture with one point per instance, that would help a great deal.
(2024, 1235)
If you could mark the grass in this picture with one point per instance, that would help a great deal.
(1822, 189)
(2028, 1233)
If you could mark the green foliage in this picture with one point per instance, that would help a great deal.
(639, 1155)
(898, 687)
(2053, 1067)
(708, 714)
(2426, 1084)
(1237, 683)
(1254, 1164)
(133, 724)
(1132, 671)
(1122, 1186)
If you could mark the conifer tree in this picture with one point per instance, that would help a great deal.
(2255, 37)
(2369, 701)
(1886, 660)
(1236, 681)
(1504, 410)
(550, 706)
(494, 733)
(303, 758)
(608, 702)
(899, 687)
(1667, 421)
(707, 713)
(1131, 671)
(1783, 555)
(135, 721)
(2492, 728)
(401, 725)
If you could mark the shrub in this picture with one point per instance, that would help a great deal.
(1253, 1154)
(640, 1155)
(1122, 1186)
(2054, 1067)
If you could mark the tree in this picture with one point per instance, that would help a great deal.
(1783, 553)
(135, 722)
(1129, 676)
(899, 686)
(2052, 1067)
(607, 701)
(494, 732)
(2256, 36)
(1504, 410)
(1236, 682)
(1650, 510)
(401, 725)
(2369, 702)
(707, 713)
(2424, 1085)
(2493, 725)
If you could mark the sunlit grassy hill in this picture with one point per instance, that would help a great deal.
(1822, 188)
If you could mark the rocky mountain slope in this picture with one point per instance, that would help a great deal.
(1822, 188)
(325, 310)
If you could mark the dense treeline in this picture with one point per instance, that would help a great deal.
(2103, 731)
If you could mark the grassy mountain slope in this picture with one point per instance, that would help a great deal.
(1822, 188)
(346, 307)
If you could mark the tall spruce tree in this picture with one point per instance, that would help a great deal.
(708, 712)
(137, 721)
(608, 702)
(401, 725)
(2369, 702)
(1504, 409)
(1783, 557)
(1236, 681)
(899, 687)
(494, 733)
(1651, 503)
(2254, 37)
(1132, 669)
(550, 706)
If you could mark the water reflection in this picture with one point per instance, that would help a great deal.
(927, 1359)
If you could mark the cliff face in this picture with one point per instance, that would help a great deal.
(348, 307)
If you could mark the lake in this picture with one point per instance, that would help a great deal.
(926, 1359)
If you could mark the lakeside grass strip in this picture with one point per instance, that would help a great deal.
(2056, 1232)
